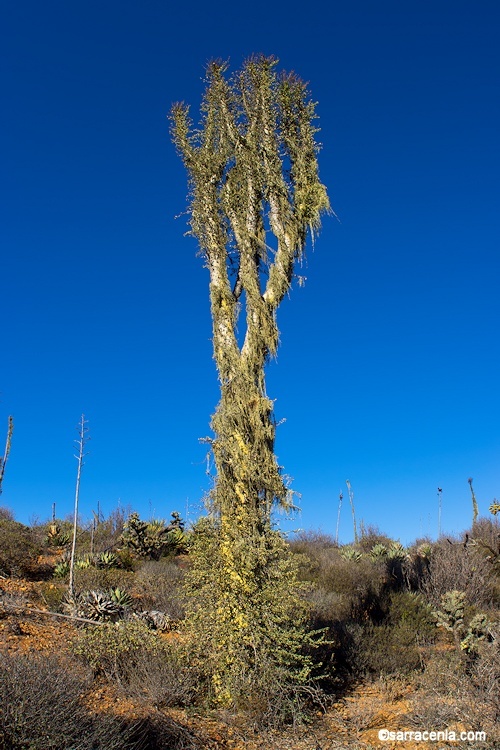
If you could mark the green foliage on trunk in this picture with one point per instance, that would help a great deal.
(254, 195)
(247, 621)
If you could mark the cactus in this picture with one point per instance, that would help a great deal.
(479, 630)
(378, 550)
(120, 597)
(94, 605)
(451, 614)
(154, 539)
(107, 560)
(62, 569)
(349, 553)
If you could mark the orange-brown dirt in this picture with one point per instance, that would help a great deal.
(352, 723)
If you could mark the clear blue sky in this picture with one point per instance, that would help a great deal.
(388, 369)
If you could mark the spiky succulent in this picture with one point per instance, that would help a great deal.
(157, 620)
(349, 553)
(396, 551)
(120, 597)
(83, 563)
(62, 569)
(94, 605)
(107, 560)
(378, 550)
(424, 550)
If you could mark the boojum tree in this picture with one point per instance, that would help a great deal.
(253, 174)
(255, 194)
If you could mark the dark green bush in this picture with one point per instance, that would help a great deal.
(410, 609)
(19, 550)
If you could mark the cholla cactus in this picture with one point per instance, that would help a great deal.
(494, 508)
(479, 631)
(155, 538)
(451, 614)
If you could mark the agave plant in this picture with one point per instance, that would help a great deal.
(83, 563)
(107, 560)
(157, 620)
(120, 597)
(349, 553)
(379, 550)
(94, 605)
(396, 551)
(177, 540)
(56, 537)
(424, 550)
(62, 569)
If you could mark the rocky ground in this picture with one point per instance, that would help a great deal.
(353, 722)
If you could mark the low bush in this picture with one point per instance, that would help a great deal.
(158, 585)
(112, 649)
(102, 578)
(19, 550)
(145, 665)
(41, 708)
(456, 565)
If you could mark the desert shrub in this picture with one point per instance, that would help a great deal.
(388, 649)
(457, 566)
(19, 550)
(309, 542)
(487, 530)
(371, 536)
(161, 677)
(145, 665)
(41, 708)
(453, 691)
(410, 609)
(112, 649)
(247, 623)
(6, 514)
(102, 578)
(51, 594)
(158, 585)
(107, 532)
(358, 584)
